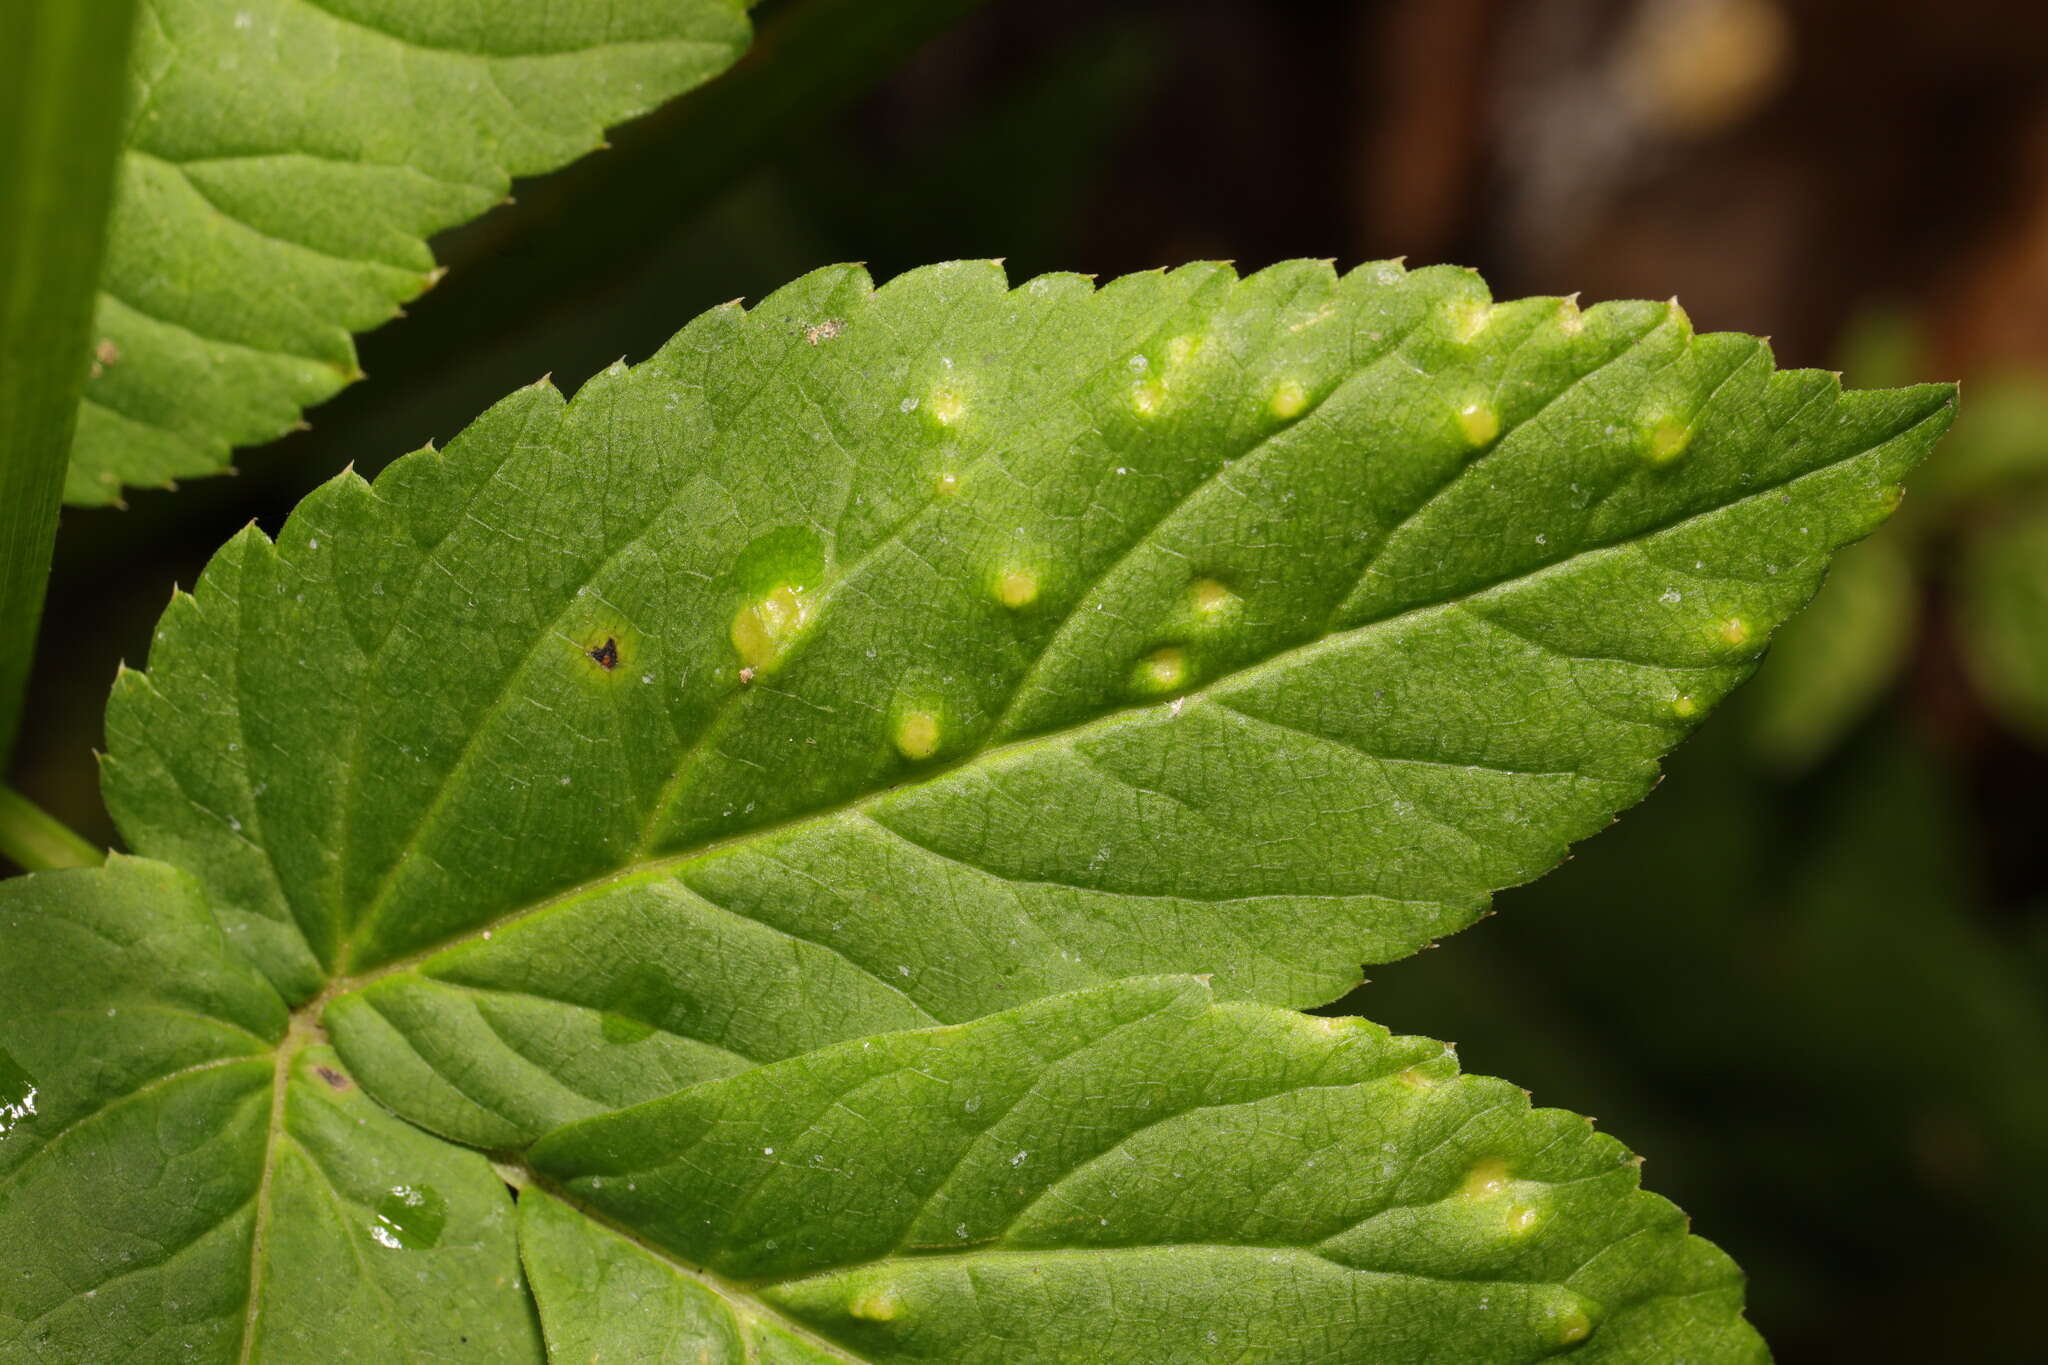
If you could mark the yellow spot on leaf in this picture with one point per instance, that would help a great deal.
(1289, 400)
(1163, 669)
(917, 735)
(947, 484)
(877, 1305)
(1016, 588)
(947, 407)
(1147, 397)
(1211, 600)
(1685, 708)
(1573, 1326)
(1468, 318)
(1489, 1176)
(1663, 439)
(764, 629)
(1478, 420)
(1735, 631)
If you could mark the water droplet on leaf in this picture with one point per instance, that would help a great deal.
(410, 1218)
(17, 1093)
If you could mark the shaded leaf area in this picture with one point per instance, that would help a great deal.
(880, 658)
(1133, 1173)
(1822, 1032)
(183, 1178)
(286, 161)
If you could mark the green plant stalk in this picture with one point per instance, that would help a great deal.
(36, 842)
(63, 79)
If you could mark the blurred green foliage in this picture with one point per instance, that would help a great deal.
(1974, 528)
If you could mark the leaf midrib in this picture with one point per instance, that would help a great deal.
(288, 1048)
(1109, 720)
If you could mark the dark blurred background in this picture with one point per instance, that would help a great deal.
(1808, 976)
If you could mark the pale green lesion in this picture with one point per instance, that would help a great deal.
(1016, 588)
(1212, 602)
(1662, 438)
(1165, 669)
(1478, 421)
(1288, 400)
(947, 405)
(766, 628)
(918, 734)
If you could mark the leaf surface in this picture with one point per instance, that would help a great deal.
(185, 1178)
(876, 659)
(1133, 1173)
(286, 161)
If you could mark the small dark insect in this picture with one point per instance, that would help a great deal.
(606, 655)
(332, 1077)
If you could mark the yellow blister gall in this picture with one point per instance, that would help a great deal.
(1289, 400)
(917, 736)
(1016, 588)
(764, 629)
(1163, 670)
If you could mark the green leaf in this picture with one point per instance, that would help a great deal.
(1131, 1173)
(876, 659)
(2003, 614)
(183, 1177)
(187, 1174)
(286, 161)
